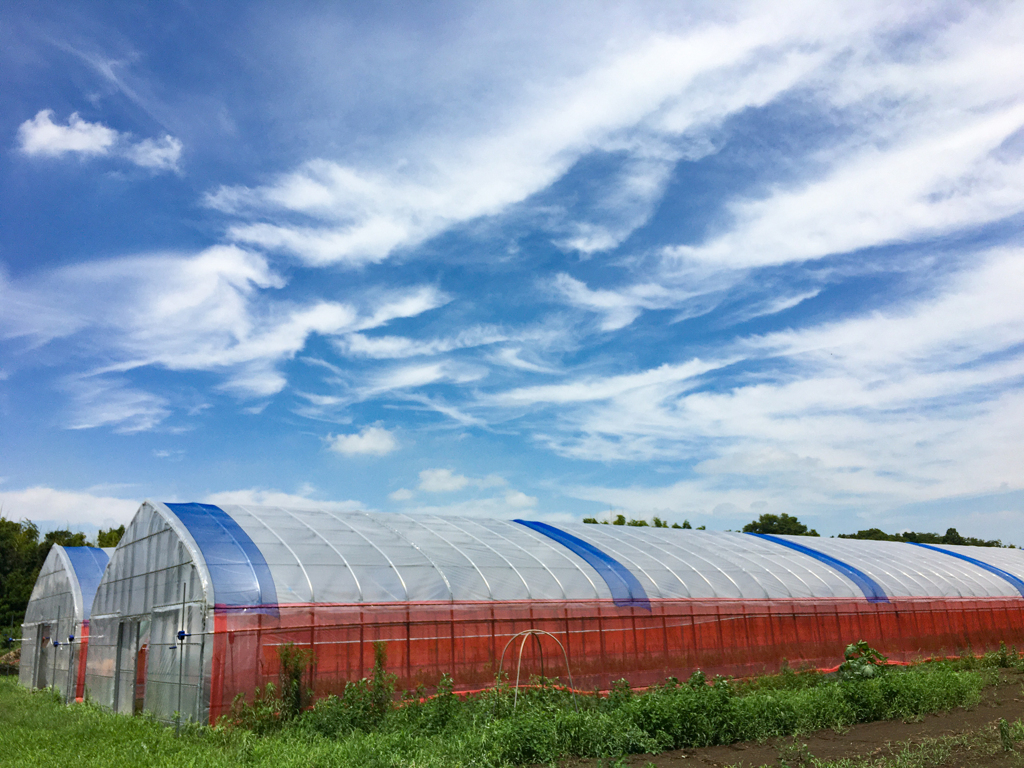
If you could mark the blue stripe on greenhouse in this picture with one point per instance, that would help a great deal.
(88, 564)
(872, 589)
(626, 590)
(240, 574)
(1014, 580)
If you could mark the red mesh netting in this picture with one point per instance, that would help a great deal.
(604, 642)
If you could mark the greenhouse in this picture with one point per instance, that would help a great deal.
(198, 599)
(56, 628)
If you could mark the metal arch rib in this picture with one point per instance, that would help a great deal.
(778, 561)
(525, 551)
(903, 577)
(630, 561)
(950, 577)
(185, 536)
(329, 544)
(77, 601)
(1016, 581)
(367, 539)
(697, 555)
(547, 543)
(451, 522)
(871, 589)
(639, 567)
(428, 558)
(698, 572)
(290, 550)
(490, 592)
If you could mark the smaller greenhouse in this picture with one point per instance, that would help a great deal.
(56, 629)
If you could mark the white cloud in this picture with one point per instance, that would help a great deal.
(160, 154)
(272, 498)
(619, 307)
(402, 494)
(371, 441)
(40, 136)
(927, 157)
(447, 481)
(441, 481)
(673, 377)
(506, 507)
(391, 347)
(59, 508)
(519, 500)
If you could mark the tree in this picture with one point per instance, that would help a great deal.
(783, 524)
(110, 536)
(19, 567)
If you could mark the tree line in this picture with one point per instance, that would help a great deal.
(22, 552)
(789, 525)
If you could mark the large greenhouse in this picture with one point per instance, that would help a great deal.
(56, 627)
(197, 600)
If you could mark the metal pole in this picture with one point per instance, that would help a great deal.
(55, 644)
(181, 654)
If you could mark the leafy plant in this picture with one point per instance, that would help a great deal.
(862, 662)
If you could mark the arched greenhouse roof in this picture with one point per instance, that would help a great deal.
(67, 573)
(251, 556)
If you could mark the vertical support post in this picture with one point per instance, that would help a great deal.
(55, 644)
(181, 660)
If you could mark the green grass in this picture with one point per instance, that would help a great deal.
(361, 728)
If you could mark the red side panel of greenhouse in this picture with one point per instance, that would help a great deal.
(603, 642)
(83, 653)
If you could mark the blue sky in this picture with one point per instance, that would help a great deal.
(540, 260)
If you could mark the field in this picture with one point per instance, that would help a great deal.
(793, 719)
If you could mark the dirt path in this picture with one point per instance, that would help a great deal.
(1005, 700)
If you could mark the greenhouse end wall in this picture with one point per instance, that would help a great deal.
(604, 642)
(154, 586)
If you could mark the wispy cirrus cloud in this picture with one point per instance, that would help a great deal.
(353, 215)
(915, 403)
(41, 137)
(203, 312)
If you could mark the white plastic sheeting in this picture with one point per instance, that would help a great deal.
(318, 556)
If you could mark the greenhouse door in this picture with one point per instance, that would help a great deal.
(175, 666)
(126, 672)
(42, 656)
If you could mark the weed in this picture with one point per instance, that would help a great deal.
(1004, 735)
(796, 755)
(294, 661)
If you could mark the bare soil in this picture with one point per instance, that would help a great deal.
(867, 740)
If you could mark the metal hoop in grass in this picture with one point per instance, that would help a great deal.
(519, 664)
